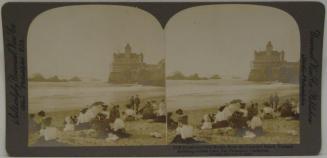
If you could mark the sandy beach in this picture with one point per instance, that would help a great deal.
(277, 131)
(140, 131)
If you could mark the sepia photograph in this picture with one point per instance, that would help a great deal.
(100, 75)
(232, 76)
(96, 77)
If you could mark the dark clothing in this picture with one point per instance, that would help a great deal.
(286, 110)
(276, 100)
(131, 102)
(258, 131)
(114, 113)
(220, 124)
(179, 140)
(121, 133)
(137, 102)
(171, 124)
(252, 111)
(160, 119)
(101, 127)
(148, 112)
(268, 116)
(83, 126)
(240, 132)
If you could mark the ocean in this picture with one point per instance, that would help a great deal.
(196, 94)
(63, 96)
(185, 94)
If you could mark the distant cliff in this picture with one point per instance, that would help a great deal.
(40, 78)
(180, 76)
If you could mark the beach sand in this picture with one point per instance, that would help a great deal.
(277, 131)
(140, 131)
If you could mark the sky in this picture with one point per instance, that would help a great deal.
(221, 39)
(80, 40)
(216, 39)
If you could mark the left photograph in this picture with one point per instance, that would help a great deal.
(96, 77)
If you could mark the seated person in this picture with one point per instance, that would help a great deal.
(33, 126)
(267, 111)
(101, 125)
(38, 119)
(206, 122)
(184, 132)
(148, 111)
(286, 109)
(118, 128)
(83, 120)
(239, 122)
(253, 110)
(243, 109)
(171, 124)
(114, 113)
(222, 117)
(69, 124)
(48, 135)
(129, 113)
(105, 111)
(255, 125)
(161, 112)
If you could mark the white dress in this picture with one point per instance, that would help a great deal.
(207, 123)
(69, 127)
(186, 131)
(49, 133)
(118, 124)
(255, 122)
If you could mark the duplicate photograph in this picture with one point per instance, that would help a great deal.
(232, 76)
(96, 77)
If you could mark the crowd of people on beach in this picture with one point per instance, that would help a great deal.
(244, 119)
(108, 122)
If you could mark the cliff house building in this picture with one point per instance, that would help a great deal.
(129, 67)
(270, 65)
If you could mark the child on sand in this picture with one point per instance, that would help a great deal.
(207, 124)
(69, 124)
(48, 135)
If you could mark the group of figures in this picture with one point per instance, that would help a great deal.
(107, 122)
(244, 120)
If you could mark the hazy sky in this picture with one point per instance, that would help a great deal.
(216, 39)
(80, 40)
(221, 39)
